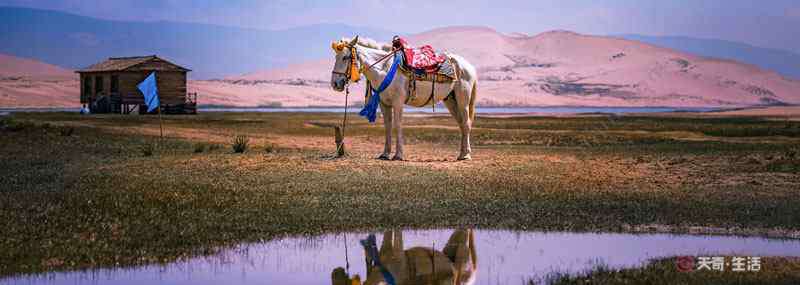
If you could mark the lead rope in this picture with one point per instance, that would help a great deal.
(340, 147)
(433, 262)
(346, 259)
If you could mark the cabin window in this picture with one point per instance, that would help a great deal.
(114, 83)
(98, 84)
(87, 85)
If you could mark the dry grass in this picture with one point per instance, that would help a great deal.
(91, 199)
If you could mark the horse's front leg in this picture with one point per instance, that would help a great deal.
(386, 111)
(398, 126)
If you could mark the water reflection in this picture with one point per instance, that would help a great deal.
(484, 110)
(444, 256)
(393, 264)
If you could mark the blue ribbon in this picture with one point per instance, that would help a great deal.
(371, 249)
(371, 108)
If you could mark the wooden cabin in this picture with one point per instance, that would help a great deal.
(111, 86)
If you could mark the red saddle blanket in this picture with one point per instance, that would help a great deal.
(420, 58)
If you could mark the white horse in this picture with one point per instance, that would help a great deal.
(455, 264)
(458, 96)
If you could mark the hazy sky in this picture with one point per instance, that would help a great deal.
(767, 23)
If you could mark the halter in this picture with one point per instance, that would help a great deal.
(352, 73)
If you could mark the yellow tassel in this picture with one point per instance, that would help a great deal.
(337, 46)
(355, 75)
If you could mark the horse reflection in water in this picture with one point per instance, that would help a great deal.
(455, 264)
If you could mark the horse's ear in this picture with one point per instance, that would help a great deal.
(354, 41)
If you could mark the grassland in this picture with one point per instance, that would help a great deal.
(92, 191)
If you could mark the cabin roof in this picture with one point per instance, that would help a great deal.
(126, 63)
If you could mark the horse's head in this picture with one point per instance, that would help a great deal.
(346, 67)
(340, 277)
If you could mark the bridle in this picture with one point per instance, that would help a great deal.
(352, 66)
(353, 71)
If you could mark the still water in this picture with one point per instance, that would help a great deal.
(409, 256)
(485, 110)
(439, 110)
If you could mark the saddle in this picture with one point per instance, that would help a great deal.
(423, 63)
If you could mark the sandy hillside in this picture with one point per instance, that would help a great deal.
(566, 68)
(300, 85)
(31, 83)
(22, 67)
(250, 94)
(557, 68)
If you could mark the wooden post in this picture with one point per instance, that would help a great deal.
(340, 152)
(160, 123)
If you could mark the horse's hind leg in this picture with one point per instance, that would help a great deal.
(450, 103)
(397, 120)
(386, 111)
(452, 106)
(462, 97)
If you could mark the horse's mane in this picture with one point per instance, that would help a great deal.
(370, 43)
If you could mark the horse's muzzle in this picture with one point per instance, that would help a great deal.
(338, 82)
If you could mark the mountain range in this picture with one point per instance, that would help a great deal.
(784, 62)
(211, 51)
(249, 67)
(556, 68)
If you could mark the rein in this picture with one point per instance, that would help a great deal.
(382, 58)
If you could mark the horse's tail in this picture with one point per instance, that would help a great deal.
(472, 96)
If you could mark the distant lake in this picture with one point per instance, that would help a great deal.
(439, 110)
(484, 110)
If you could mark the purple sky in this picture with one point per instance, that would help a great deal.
(772, 23)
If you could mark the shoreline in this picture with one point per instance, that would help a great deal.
(489, 110)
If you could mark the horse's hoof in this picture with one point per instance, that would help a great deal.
(465, 157)
(383, 157)
(398, 158)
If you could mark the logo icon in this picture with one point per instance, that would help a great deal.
(684, 263)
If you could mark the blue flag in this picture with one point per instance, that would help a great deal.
(149, 89)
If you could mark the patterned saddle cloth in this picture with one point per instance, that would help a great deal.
(424, 62)
(424, 58)
(443, 72)
(420, 58)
